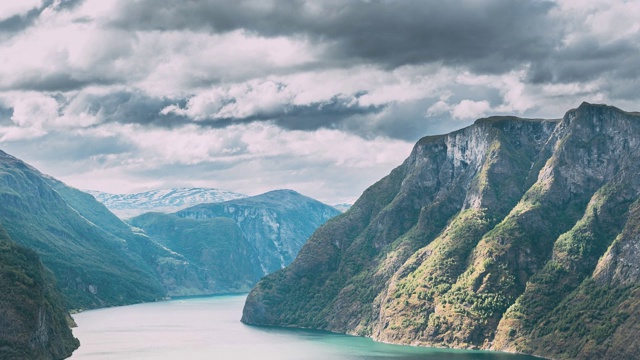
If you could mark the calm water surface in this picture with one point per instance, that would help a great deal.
(209, 328)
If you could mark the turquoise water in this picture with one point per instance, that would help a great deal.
(209, 328)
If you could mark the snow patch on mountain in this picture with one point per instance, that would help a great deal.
(163, 200)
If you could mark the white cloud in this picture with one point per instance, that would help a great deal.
(178, 63)
(10, 8)
(469, 109)
(236, 101)
(35, 114)
(438, 108)
(58, 69)
(36, 110)
(330, 165)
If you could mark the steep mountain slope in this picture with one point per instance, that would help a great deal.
(178, 276)
(33, 318)
(224, 257)
(94, 267)
(276, 223)
(166, 200)
(511, 234)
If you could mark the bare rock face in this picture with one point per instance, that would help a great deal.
(512, 234)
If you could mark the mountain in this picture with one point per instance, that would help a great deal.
(176, 274)
(225, 258)
(96, 258)
(167, 200)
(276, 223)
(33, 318)
(238, 241)
(511, 234)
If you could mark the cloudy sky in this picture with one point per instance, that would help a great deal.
(324, 97)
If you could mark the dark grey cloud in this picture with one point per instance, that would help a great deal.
(18, 23)
(326, 114)
(133, 108)
(487, 35)
(588, 59)
(67, 150)
(5, 116)
(59, 82)
(138, 108)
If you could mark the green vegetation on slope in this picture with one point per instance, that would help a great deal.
(216, 246)
(33, 318)
(93, 267)
(276, 223)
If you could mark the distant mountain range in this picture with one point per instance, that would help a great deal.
(98, 260)
(276, 223)
(101, 261)
(165, 200)
(519, 235)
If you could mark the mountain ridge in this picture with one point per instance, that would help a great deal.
(277, 222)
(161, 200)
(487, 237)
(97, 260)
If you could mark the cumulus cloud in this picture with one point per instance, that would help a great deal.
(289, 93)
(393, 33)
(250, 158)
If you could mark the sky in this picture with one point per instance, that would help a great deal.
(323, 97)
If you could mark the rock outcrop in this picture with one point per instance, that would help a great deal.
(512, 234)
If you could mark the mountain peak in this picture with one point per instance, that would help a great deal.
(162, 200)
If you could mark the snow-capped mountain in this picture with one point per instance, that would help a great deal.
(164, 200)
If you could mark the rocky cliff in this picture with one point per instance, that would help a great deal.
(511, 234)
(33, 318)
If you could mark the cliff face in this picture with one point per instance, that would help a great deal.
(511, 234)
(33, 319)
